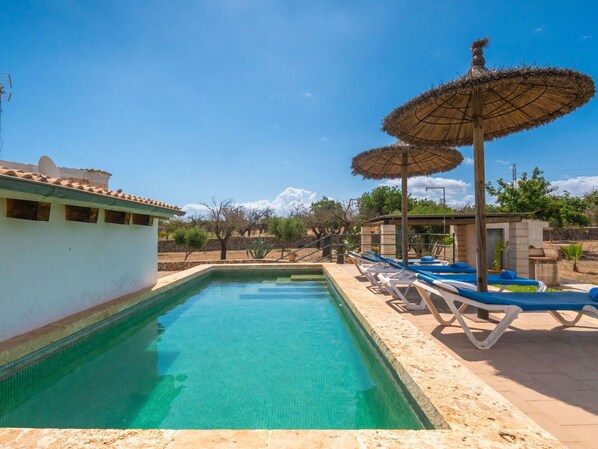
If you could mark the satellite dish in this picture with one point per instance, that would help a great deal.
(47, 167)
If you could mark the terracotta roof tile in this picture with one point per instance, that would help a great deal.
(36, 177)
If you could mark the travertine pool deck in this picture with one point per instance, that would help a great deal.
(466, 411)
(548, 372)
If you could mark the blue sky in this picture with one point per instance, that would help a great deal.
(185, 100)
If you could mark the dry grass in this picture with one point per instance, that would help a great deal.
(235, 255)
(588, 265)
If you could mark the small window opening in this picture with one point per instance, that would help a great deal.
(27, 210)
(117, 217)
(82, 214)
(142, 220)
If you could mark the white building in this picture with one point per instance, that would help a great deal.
(87, 176)
(67, 246)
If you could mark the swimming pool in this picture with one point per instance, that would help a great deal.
(233, 350)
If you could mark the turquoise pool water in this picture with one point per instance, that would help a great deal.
(233, 351)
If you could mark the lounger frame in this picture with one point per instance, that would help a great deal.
(457, 305)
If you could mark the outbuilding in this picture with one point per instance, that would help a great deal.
(67, 246)
(523, 234)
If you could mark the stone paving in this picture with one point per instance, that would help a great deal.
(550, 373)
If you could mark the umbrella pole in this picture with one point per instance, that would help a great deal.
(480, 196)
(404, 224)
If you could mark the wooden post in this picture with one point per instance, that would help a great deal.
(404, 224)
(480, 195)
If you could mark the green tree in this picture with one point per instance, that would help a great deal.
(591, 200)
(382, 200)
(193, 239)
(535, 195)
(286, 230)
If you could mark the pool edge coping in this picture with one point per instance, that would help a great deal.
(476, 414)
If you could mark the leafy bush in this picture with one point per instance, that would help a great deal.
(286, 229)
(193, 239)
(497, 259)
(573, 253)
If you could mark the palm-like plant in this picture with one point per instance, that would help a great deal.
(573, 252)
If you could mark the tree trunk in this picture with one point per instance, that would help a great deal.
(222, 248)
(326, 250)
(318, 237)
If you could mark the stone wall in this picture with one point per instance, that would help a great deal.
(590, 233)
(178, 266)
(234, 243)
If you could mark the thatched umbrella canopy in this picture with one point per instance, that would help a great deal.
(403, 160)
(483, 105)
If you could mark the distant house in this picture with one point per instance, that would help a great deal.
(87, 176)
(66, 246)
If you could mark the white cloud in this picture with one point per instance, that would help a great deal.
(458, 192)
(468, 161)
(194, 209)
(284, 203)
(308, 94)
(586, 37)
(577, 186)
(502, 161)
(539, 29)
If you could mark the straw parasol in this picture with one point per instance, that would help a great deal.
(484, 105)
(403, 160)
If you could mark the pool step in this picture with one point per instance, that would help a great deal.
(293, 289)
(283, 296)
(308, 277)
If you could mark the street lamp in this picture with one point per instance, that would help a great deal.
(443, 205)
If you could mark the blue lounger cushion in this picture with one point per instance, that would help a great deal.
(545, 301)
(460, 265)
(363, 256)
(508, 274)
(428, 259)
(594, 293)
(492, 279)
(427, 269)
(533, 301)
(444, 269)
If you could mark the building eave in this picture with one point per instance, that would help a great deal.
(51, 191)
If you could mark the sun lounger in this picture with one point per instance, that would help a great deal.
(460, 280)
(393, 284)
(426, 260)
(457, 268)
(371, 267)
(511, 304)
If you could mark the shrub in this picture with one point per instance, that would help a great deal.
(193, 239)
(286, 229)
(497, 259)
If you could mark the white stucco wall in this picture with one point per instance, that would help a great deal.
(536, 232)
(49, 270)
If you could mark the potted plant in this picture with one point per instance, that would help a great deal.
(497, 258)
